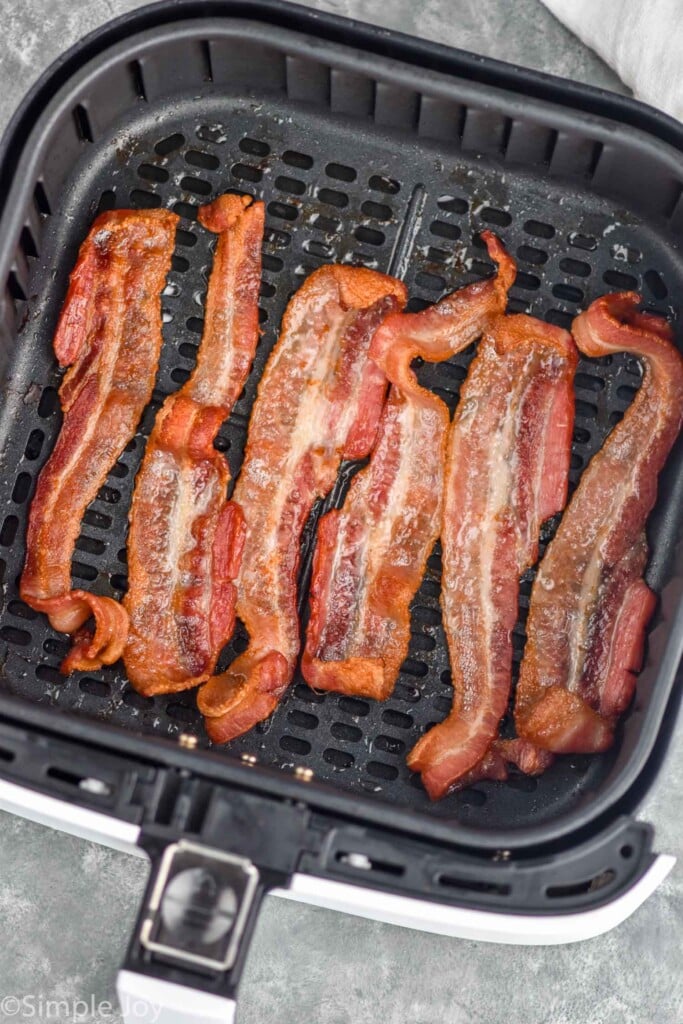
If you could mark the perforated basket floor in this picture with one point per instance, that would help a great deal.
(383, 203)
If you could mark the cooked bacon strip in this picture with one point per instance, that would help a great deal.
(507, 471)
(185, 538)
(589, 605)
(319, 401)
(371, 556)
(109, 334)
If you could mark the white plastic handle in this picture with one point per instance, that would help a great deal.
(146, 1000)
(479, 925)
(424, 915)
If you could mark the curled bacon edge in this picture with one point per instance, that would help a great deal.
(181, 603)
(109, 335)
(590, 605)
(371, 555)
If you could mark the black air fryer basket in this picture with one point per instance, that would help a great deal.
(373, 149)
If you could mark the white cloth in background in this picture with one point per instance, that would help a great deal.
(642, 40)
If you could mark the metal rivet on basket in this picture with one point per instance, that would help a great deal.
(305, 774)
(249, 758)
(187, 741)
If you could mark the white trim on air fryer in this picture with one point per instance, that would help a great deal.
(67, 817)
(406, 911)
(146, 1000)
(479, 925)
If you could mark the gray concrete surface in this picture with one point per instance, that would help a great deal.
(67, 906)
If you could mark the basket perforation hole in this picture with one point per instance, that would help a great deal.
(8, 531)
(530, 254)
(135, 700)
(655, 284)
(413, 667)
(482, 268)
(304, 693)
(142, 199)
(170, 144)
(585, 409)
(529, 282)
(370, 236)
(568, 293)
(22, 611)
(197, 158)
(107, 201)
(320, 249)
(180, 712)
(22, 488)
(13, 635)
(302, 719)
(40, 198)
(346, 733)
(186, 238)
(94, 687)
(397, 719)
(90, 545)
(276, 238)
(15, 288)
(579, 241)
(272, 263)
(48, 674)
(119, 469)
(422, 642)
(255, 147)
(341, 172)
(577, 268)
(34, 445)
(492, 215)
(626, 393)
(539, 229)
(617, 279)
(283, 211)
(354, 706)
(626, 851)
(82, 122)
(56, 647)
(195, 324)
(179, 263)
(186, 210)
(292, 185)
(332, 197)
(377, 211)
(389, 745)
(27, 242)
(294, 745)
(109, 495)
(380, 770)
(295, 159)
(180, 375)
(382, 183)
(559, 318)
(200, 187)
(119, 581)
(82, 571)
(442, 229)
(49, 403)
(589, 382)
(339, 759)
(435, 255)
(416, 304)
(452, 204)
(97, 519)
(623, 253)
(330, 225)
(150, 172)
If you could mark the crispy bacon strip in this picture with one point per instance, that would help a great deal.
(185, 538)
(507, 471)
(590, 605)
(109, 335)
(371, 555)
(319, 401)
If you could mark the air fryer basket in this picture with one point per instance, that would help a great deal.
(371, 162)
